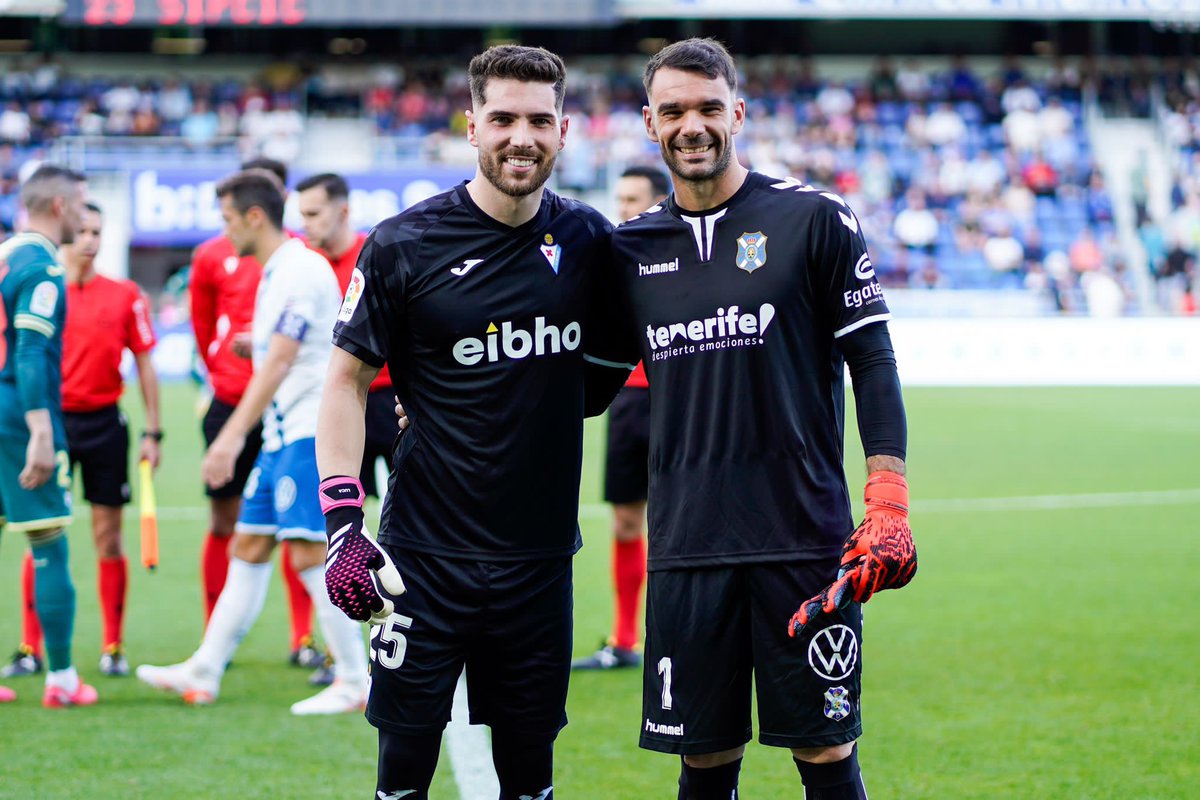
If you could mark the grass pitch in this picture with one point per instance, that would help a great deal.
(1048, 647)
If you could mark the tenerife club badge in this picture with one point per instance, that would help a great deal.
(552, 252)
(752, 251)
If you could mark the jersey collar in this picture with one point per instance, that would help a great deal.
(486, 219)
(752, 180)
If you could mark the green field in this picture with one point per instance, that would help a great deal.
(1048, 648)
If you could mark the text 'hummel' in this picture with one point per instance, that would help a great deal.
(658, 269)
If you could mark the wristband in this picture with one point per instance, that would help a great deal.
(155, 435)
(340, 491)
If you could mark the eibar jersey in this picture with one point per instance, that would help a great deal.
(297, 297)
(35, 306)
(483, 326)
(737, 311)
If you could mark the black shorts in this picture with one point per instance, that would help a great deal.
(626, 474)
(508, 623)
(707, 630)
(98, 441)
(216, 416)
(382, 429)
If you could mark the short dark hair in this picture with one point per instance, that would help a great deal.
(93, 207)
(659, 185)
(705, 56)
(335, 185)
(270, 165)
(46, 183)
(514, 62)
(255, 187)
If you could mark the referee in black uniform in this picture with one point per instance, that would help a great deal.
(749, 295)
(478, 301)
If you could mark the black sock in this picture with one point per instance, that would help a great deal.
(837, 780)
(524, 768)
(713, 783)
(407, 762)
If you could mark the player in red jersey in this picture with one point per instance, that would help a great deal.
(626, 481)
(105, 317)
(325, 209)
(223, 286)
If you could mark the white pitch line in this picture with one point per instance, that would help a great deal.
(470, 751)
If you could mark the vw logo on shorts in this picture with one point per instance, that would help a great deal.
(833, 652)
(285, 494)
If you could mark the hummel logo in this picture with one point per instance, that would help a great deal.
(468, 265)
(395, 795)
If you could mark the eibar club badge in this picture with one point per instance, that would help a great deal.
(837, 703)
(551, 251)
(752, 251)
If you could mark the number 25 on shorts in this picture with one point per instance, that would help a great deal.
(388, 643)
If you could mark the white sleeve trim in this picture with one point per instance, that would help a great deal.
(853, 326)
(611, 364)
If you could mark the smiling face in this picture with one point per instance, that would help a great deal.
(518, 132)
(694, 119)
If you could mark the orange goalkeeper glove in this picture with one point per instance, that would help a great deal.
(879, 555)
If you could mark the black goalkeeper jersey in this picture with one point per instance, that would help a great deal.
(738, 311)
(482, 326)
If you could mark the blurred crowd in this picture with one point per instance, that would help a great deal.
(962, 179)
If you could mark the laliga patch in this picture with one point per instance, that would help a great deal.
(752, 251)
(44, 299)
(833, 652)
(837, 703)
(552, 252)
(353, 294)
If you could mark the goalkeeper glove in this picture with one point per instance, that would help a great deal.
(353, 556)
(879, 555)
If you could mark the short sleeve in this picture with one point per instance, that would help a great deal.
(373, 305)
(140, 333)
(852, 293)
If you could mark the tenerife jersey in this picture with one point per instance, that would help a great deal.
(484, 327)
(34, 314)
(297, 297)
(738, 311)
(104, 318)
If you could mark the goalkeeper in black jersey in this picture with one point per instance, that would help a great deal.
(748, 296)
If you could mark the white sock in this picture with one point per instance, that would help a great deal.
(237, 608)
(343, 635)
(67, 679)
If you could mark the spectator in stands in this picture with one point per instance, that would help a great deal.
(916, 226)
(200, 126)
(953, 174)
(1022, 130)
(1099, 203)
(15, 125)
(1055, 121)
(929, 277)
(962, 82)
(88, 120)
(913, 81)
(945, 126)
(1085, 253)
(882, 81)
(146, 121)
(174, 101)
(985, 173)
(915, 128)
(835, 100)
(1035, 253)
(1040, 176)
(1020, 96)
(1002, 251)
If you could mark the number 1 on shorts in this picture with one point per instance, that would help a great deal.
(664, 669)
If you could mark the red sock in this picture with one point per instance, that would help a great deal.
(31, 629)
(629, 573)
(299, 602)
(214, 566)
(113, 578)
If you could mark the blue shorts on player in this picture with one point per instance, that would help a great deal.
(281, 498)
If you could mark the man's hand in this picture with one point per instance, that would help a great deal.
(401, 415)
(220, 460)
(355, 566)
(242, 345)
(879, 555)
(151, 450)
(39, 461)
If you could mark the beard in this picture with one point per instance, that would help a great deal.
(696, 172)
(68, 234)
(492, 167)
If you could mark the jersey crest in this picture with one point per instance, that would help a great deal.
(552, 252)
(752, 251)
